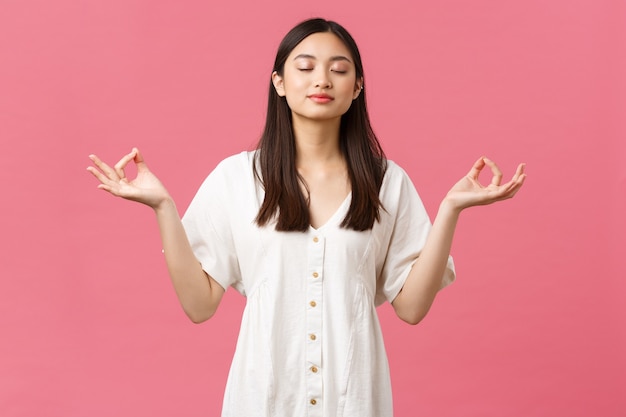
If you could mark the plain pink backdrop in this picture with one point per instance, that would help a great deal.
(534, 325)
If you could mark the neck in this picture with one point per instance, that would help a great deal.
(316, 142)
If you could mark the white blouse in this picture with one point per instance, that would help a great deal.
(310, 343)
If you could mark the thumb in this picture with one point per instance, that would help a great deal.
(138, 159)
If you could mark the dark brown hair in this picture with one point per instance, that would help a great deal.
(276, 155)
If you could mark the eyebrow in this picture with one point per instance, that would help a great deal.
(332, 58)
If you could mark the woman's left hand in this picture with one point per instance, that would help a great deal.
(470, 192)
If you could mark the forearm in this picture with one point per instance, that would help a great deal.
(424, 280)
(198, 293)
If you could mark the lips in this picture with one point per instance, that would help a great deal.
(321, 98)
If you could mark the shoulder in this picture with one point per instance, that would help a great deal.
(236, 163)
(233, 170)
(395, 176)
(394, 170)
(397, 189)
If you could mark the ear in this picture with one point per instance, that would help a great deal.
(279, 86)
(358, 86)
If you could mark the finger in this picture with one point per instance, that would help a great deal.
(521, 168)
(121, 164)
(106, 183)
(106, 188)
(139, 161)
(107, 170)
(496, 179)
(513, 190)
(518, 178)
(99, 175)
(512, 187)
(476, 168)
(520, 181)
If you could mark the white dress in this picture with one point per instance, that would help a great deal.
(310, 343)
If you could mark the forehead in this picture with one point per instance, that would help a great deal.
(321, 46)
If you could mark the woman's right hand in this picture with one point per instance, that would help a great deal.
(145, 188)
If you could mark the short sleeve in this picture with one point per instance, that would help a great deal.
(410, 225)
(207, 223)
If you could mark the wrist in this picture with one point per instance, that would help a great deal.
(450, 207)
(164, 205)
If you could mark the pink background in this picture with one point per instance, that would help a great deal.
(535, 324)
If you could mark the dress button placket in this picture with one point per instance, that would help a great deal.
(314, 287)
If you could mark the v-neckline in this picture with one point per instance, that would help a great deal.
(340, 212)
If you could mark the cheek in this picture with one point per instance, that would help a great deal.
(294, 93)
(293, 90)
(294, 80)
(348, 91)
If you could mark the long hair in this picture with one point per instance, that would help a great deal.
(276, 151)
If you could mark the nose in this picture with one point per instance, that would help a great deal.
(323, 81)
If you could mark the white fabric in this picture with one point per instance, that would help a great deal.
(310, 343)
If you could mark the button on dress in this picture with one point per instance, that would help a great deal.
(310, 342)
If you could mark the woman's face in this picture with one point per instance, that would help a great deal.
(319, 78)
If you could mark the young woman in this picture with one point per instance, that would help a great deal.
(316, 228)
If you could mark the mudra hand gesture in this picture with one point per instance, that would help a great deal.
(145, 188)
(470, 192)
